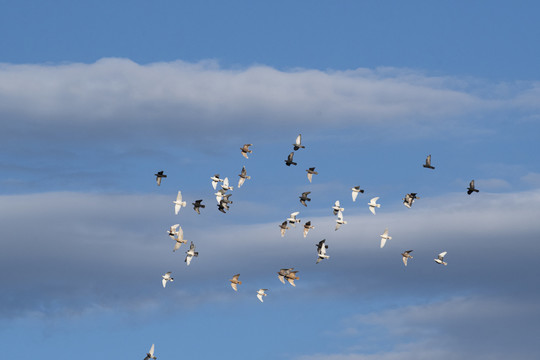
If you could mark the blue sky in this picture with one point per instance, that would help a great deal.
(95, 97)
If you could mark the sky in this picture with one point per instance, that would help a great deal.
(96, 97)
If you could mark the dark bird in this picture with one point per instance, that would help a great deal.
(197, 205)
(159, 175)
(471, 188)
(222, 206)
(428, 163)
(409, 199)
(289, 160)
(298, 143)
(305, 198)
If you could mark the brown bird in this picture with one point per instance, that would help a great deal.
(245, 150)
(235, 282)
(406, 255)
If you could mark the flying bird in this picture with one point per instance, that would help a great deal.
(289, 160)
(307, 226)
(190, 254)
(283, 227)
(235, 282)
(406, 255)
(385, 237)
(166, 278)
(471, 188)
(305, 198)
(339, 220)
(337, 207)
(293, 220)
(159, 175)
(409, 199)
(298, 143)
(197, 206)
(355, 191)
(215, 180)
(261, 293)
(440, 258)
(178, 203)
(310, 173)
(373, 204)
(282, 273)
(180, 239)
(245, 150)
(321, 251)
(243, 177)
(150, 354)
(173, 231)
(225, 186)
(289, 275)
(428, 163)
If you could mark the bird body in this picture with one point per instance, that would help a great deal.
(283, 227)
(178, 203)
(225, 186)
(173, 232)
(355, 191)
(293, 220)
(180, 239)
(150, 354)
(197, 206)
(191, 253)
(373, 204)
(261, 293)
(337, 207)
(409, 199)
(243, 176)
(321, 250)
(385, 237)
(215, 180)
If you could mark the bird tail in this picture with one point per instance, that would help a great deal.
(362, 191)
(249, 177)
(444, 263)
(203, 206)
(196, 254)
(239, 283)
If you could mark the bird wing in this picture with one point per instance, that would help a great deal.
(241, 181)
(158, 180)
(188, 259)
(282, 232)
(233, 285)
(385, 233)
(354, 195)
(164, 282)
(372, 209)
(298, 139)
(281, 278)
(259, 296)
(177, 246)
(290, 157)
(404, 260)
(428, 160)
(214, 183)
(235, 277)
(226, 182)
(291, 281)
(442, 255)
(383, 241)
(243, 172)
(471, 185)
(310, 176)
(338, 225)
(151, 352)
(293, 215)
(179, 196)
(176, 208)
(306, 229)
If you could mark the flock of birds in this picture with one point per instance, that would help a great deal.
(290, 275)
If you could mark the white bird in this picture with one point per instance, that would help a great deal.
(298, 143)
(215, 179)
(173, 231)
(225, 186)
(337, 208)
(355, 191)
(339, 220)
(165, 278)
(235, 282)
(178, 203)
(321, 251)
(261, 293)
(406, 255)
(243, 177)
(150, 354)
(191, 253)
(293, 220)
(307, 226)
(385, 237)
(373, 204)
(440, 258)
(179, 239)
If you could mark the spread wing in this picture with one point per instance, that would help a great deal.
(291, 281)
(383, 242)
(310, 176)
(281, 278)
(442, 255)
(233, 285)
(259, 296)
(151, 352)
(299, 139)
(214, 183)
(405, 260)
(354, 195)
(177, 246)
(188, 259)
(372, 209)
(241, 181)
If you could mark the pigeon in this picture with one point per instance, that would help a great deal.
(283, 227)
(307, 226)
(167, 277)
(293, 220)
(298, 143)
(225, 186)
(428, 163)
(235, 282)
(215, 179)
(321, 251)
(178, 203)
(197, 205)
(173, 231)
(245, 150)
(243, 177)
(191, 253)
(406, 255)
(288, 274)
(159, 175)
(282, 273)
(289, 160)
(373, 204)
(179, 240)
(305, 198)
(150, 354)
(339, 220)
(261, 293)
(385, 237)
(409, 199)
(440, 258)
(355, 191)
(310, 173)
(337, 208)
(471, 188)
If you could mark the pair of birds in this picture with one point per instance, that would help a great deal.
(321, 251)
(177, 234)
(179, 203)
(338, 210)
(293, 220)
(289, 275)
(439, 260)
(471, 187)
(290, 159)
(409, 199)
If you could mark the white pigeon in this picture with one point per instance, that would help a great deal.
(440, 258)
(337, 208)
(178, 203)
(191, 253)
(215, 179)
(293, 220)
(165, 278)
(373, 204)
(225, 186)
(180, 239)
(355, 191)
(150, 354)
(173, 231)
(385, 237)
(339, 220)
(261, 293)
(298, 143)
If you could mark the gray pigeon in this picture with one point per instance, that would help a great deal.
(197, 205)
(289, 160)
(471, 188)
(305, 198)
(428, 163)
